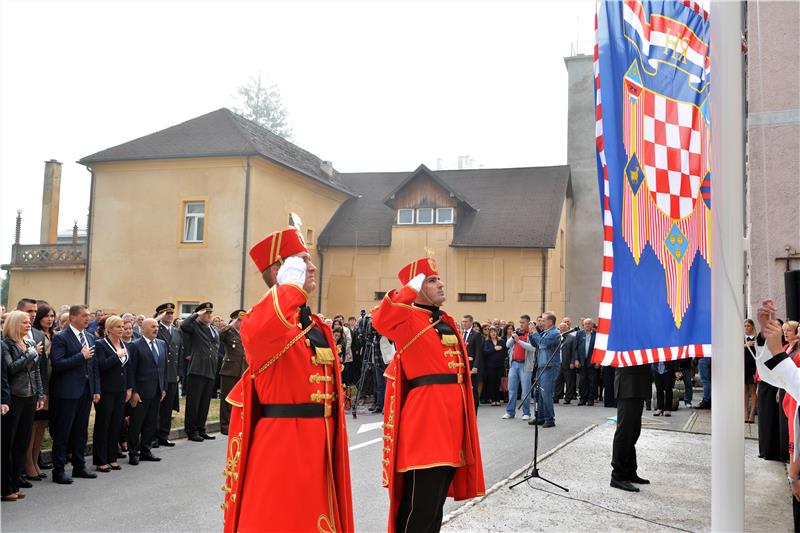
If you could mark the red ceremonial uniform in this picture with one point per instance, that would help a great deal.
(287, 474)
(427, 426)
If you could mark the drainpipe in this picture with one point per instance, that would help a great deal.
(544, 277)
(89, 235)
(319, 278)
(244, 232)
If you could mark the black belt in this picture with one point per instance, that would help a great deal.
(435, 379)
(292, 410)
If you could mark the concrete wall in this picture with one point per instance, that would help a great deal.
(57, 286)
(137, 259)
(511, 278)
(773, 145)
(584, 224)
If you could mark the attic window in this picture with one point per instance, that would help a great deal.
(425, 215)
(444, 215)
(405, 216)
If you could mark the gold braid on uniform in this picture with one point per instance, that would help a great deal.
(285, 349)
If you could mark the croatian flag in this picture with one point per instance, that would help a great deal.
(652, 85)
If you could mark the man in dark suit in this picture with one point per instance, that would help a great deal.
(584, 346)
(474, 342)
(173, 338)
(233, 365)
(631, 387)
(203, 339)
(147, 379)
(28, 305)
(74, 385)
(566, 380)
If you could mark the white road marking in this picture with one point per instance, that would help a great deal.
(365, 444)
(369, 427)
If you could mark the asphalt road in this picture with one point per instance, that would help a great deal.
(181, 493)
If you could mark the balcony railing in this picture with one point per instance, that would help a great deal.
(48, 255)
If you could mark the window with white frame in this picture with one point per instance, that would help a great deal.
(425, 215)
(194, 218)
(405, 216)
(444, 215)
(186, 308)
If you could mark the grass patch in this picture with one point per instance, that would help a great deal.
(177, 420)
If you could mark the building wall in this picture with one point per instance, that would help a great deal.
(773, 144)
(137, 260)
(511, 278)
(585, 224)
(57, 286)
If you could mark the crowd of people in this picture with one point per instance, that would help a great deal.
(58, 364)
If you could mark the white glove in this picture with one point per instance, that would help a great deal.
(417, 281)
(292, 271)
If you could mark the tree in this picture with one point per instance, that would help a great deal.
(4, 289)
(262, 104)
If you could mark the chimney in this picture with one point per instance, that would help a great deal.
(51, 193)
(327, 168)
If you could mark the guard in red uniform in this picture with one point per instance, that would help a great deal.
(287, 464)
(431, 449)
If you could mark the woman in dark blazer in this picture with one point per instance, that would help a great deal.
(494, 357)
(111, 355)
(21, 360)
(44, 322)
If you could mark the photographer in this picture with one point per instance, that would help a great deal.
(520, 371)
(368, 336)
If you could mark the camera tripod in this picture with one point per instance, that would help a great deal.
(536, 390)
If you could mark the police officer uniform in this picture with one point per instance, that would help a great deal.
(173, 338)
(204, 342)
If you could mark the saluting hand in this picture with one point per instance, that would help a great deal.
(416, 282)
(292, 271)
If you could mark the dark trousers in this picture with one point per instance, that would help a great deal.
(588, 385)
(165, 411)
(107, 422)
(424, 494)
(17, 424)
(629, 426)
(144, 421)
(226, 383)
(664, 384)
(380, 386)
(796, 514)
(199, 391)
(69, 427)
(566, 384)
(492, 386)
(608, 388)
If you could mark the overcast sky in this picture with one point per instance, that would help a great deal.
(371, 86)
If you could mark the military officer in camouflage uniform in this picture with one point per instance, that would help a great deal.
(233, 365)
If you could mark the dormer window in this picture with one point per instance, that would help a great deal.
(444, 215)
(405, 216)
(425, 215)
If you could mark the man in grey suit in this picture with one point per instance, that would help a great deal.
(567, 377)
(202, 339)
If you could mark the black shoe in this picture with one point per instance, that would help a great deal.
(166, 442)
(37, 477)
(121, 455)
(206, 436)
(639, 480)
(378, 411)
(61, 478)
(590, 403)
(581, 403)
(133, 460)
(24, 483)
(703, 405)
(567, 402)
(623, 485)
(42, 475)
(196, 438)
(549, 424)
(43, 465)
(83, 473)
(149, 457)
(535, 422)
(154, 444)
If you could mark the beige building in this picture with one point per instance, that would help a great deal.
(173, 215)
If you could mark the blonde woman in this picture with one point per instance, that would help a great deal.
(111, 356)
(20, 358)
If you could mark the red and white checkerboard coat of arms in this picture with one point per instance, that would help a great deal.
(666, 199)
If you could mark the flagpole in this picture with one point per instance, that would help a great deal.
(727, 273)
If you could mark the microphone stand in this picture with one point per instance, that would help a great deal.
(534, 471)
